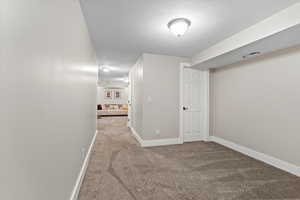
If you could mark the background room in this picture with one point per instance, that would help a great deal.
(112, 94)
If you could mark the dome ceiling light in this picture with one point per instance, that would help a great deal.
(105, 69)
(179, 26)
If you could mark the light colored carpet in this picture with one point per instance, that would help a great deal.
(121, 170)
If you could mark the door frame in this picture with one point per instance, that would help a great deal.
(206, 103)
(129, 100)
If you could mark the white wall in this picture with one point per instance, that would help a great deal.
(155, 101)
(137, 92)
(102, 100)
(161, 96)
(48, 77)
(256, 104)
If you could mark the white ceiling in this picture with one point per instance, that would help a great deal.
(124, 29)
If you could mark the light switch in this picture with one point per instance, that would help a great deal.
(149, 99)
(157, 131)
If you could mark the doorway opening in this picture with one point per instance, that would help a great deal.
(112, 101)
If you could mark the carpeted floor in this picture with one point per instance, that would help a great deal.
(121, 170)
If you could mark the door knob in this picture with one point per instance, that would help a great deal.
(185, 108)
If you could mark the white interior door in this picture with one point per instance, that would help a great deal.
(194, 104)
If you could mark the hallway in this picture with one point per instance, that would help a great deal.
(120, 169)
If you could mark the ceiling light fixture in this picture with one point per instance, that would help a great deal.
(105, 69)
(179, 26)
(126, 80)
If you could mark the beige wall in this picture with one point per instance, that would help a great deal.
(155, 96)
(48, 80)
(161, 96)
(256, 104)
(137, 92)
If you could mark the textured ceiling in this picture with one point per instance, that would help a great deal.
(124, 29)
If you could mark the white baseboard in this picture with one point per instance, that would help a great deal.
(136, 135)
(161, 142)
(283, 165)
(75, 192)
(154, 143)
(193, 138)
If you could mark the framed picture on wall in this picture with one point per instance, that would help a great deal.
(117, 94)
(108, 94)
